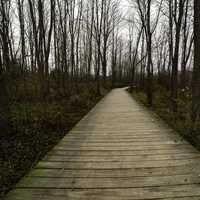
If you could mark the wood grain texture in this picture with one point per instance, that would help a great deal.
(118, 151)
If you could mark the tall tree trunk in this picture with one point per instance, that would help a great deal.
(170, 42)
(149, 60)
(89, 62)
(22, 32)
(175, 61)
(196, 70)
(4, 33)
(184, 51)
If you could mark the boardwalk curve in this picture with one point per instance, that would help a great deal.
(118, 151)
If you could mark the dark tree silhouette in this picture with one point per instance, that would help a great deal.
(196, 70)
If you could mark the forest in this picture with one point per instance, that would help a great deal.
(58, 58)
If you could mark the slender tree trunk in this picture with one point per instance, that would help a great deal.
(22, 32)
(184, 50)
(4, 33)
(196, 70)
(170, 42)
(175, 61)
(149, 60)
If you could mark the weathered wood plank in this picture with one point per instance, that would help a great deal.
(120, 152)
(115, 165)
(127, 147)
(176, 192)
(117, 144)
(111, 182)
(121, 158)
(133, 172)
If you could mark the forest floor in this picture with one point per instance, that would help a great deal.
(181, 120)
(35, 126)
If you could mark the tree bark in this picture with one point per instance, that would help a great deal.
(196, 70)
(175, 61)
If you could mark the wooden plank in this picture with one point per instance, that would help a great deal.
(115, 138)
(114, 182)
(118, 141)
(127, 147)
(132, 172)
(176, 192)
(117, 152)
(117, 144)
(115, 165)
(123, 158)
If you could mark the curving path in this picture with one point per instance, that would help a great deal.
(118, 151)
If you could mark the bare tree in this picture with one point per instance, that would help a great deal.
(178, 12)
(98, 31)
(187, 43)
(144, 10)
(5, 33)
(20, 4)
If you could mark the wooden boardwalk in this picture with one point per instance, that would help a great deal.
(119, 151)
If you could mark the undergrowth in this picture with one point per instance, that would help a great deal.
(34, 125)
(180, 120)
